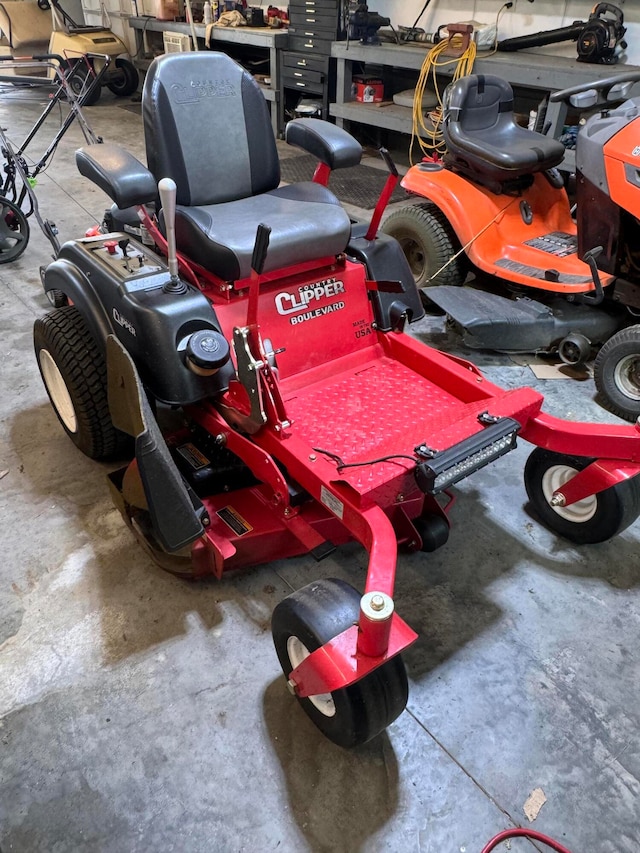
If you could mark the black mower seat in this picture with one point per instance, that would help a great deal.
(483, 138)
(207, 127)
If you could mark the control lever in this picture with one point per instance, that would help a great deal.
(385, 195)
(260, 249)
(168, 191)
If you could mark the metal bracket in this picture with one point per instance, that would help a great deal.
(248, 375)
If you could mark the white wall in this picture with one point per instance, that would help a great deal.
(523, 19)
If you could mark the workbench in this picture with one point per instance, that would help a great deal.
(268, 41)
(531, 70)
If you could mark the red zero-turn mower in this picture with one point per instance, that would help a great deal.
(497, 205)
(308, 417)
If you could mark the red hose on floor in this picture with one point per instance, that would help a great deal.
(531, 834)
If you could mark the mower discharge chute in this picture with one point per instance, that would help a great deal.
(308, 416)
(497, 206)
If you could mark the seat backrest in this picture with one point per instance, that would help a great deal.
(207, 126)
(479, 102)
(26, 27)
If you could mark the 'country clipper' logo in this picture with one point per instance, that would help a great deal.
(122, 321)
(302, 305)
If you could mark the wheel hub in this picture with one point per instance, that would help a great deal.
(58, 391)
(627, 376)
(553, 480)
(297, 652)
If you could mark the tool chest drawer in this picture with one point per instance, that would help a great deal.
(299, 41)
(312, 21)
(304, 61)
(310, 81)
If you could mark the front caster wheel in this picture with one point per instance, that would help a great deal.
(75, 376)
(617, 373)
(306, 620)
(593, 519)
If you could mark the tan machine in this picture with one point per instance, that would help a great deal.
(33, 27)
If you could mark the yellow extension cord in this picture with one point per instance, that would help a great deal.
(434, 142)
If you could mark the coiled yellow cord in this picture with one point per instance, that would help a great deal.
(434, 141)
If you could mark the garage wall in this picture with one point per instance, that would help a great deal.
(523, 18)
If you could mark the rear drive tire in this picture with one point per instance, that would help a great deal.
(306, 620)
(594, 519)
(428, 242)
(75, 376)
(617, 373)
(125, 79)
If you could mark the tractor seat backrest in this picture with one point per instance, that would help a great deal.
(481, 102)
(207, 126)
(26, 27)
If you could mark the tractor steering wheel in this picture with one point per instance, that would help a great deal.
(602, 88)
(44, 5)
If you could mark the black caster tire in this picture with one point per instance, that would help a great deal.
(617, 373)
(433, 530)
(428, 242)
(75, 377)
(594, 519)
(306, 620)
(14, 231)
(126, 79)
(80, 82)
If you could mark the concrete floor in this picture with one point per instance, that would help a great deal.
(139, 712)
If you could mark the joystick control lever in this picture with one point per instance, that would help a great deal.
(168, 190)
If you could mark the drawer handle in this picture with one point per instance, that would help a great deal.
(302, 85)
(297, 74)
(310, 20)
(302, 63)
(308, 44)
(311, 35)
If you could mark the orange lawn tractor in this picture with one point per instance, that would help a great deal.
(497, 206)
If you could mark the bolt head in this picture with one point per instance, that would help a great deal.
(558, 500)
(312, 457)
(377, 602)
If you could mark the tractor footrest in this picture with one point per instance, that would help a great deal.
(446, 467)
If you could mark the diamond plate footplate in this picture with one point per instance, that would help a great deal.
(378, 409)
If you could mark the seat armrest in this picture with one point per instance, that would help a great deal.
(118, 173)
(332, 145)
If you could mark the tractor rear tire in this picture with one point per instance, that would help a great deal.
(74, 373)
(125, 79)
(593, 519)
(428, 242)
(617, 373)
(306, 620)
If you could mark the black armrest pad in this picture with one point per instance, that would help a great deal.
(332, 145)
(118, 173)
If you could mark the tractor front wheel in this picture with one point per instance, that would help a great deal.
(594, 519)
(74, 373)
(306, 620)
(617, 373)
(428, 242)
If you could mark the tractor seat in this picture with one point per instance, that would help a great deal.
(26, 27)
(483, 139)
(207, 126)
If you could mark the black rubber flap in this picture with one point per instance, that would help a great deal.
(174, 510)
